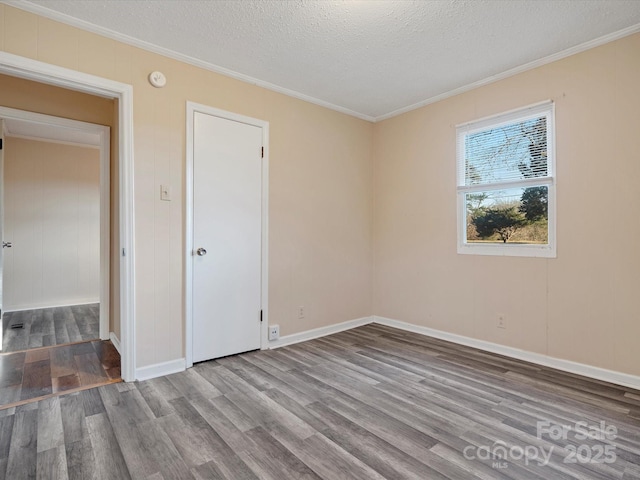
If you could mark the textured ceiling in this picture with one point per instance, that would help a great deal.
(370, 58)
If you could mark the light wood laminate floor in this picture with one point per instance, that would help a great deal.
(369, 403)
(44, 327)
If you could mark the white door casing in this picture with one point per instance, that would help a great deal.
(21, 67)
(2, 146)
(226, 216)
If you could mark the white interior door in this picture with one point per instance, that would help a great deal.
(227, 236)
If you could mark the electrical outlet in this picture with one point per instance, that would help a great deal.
(502, 321)
(274, 332)
(300, 312)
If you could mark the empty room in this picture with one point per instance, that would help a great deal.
(324, 239)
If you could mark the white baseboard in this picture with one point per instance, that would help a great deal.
(61, 303)
(611, 376)
(318, 332)
(115, 341)
(597, 373)
(179, 365)
(160, 369)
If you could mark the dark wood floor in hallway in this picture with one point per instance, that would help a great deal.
(369, 403)
(25, 376)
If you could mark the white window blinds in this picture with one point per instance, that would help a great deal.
(505, 149)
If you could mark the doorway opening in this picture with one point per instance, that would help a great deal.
(54, 223)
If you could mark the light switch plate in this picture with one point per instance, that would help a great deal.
(165, 193)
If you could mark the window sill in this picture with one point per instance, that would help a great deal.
(508, 250)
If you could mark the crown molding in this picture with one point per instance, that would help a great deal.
(84, 25)
(166, 52)
(515, 71)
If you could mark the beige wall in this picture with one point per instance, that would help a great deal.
(320, 184)
(581, 306)
(330, 173)
(58, 102)
(52, 216)
(49, 100)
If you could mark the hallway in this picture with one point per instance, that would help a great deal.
(45, 327)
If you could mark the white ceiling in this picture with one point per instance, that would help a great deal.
(369, 58)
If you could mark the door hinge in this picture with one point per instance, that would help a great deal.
(1, 147)
(262, 152)
(123, 253)
(260, 315)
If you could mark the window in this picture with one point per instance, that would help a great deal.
(506, 184)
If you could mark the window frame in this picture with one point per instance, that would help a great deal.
(546, 109)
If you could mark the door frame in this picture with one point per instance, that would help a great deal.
(105, 194)
(192, 108)
(2, 147)
(29, 69)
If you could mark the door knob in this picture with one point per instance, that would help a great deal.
(7, 245)
(201, 252)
